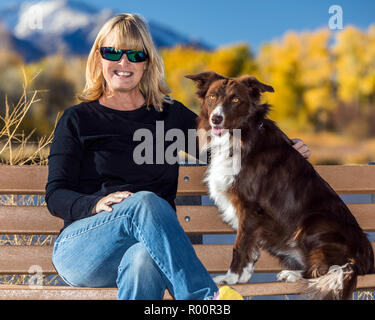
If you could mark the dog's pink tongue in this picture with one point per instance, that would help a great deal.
(217, 131)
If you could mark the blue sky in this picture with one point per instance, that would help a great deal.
(221, 22)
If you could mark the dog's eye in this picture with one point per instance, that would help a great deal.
(212, 97)
(235, 100)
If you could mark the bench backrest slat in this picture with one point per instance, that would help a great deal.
(343, 178)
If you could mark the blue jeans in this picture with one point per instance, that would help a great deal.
(139, 247)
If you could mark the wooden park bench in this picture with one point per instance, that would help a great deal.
(195, 219)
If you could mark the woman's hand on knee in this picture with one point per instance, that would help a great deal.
(104, 204)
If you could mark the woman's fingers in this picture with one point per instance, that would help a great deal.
(104, 207)
(105, 203)
(115, 199)
(302, 148)
(122, 194)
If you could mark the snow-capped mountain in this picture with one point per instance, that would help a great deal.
(23, 47)
(40, 28)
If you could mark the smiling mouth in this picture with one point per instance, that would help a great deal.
(217, 131)
(123, 74)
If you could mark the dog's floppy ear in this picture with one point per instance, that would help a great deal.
(203, 81)
(253, 83)
(256, 88)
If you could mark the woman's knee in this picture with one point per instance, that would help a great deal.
(145, 203)
(149, 198)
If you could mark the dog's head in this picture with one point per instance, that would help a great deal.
(229, 103)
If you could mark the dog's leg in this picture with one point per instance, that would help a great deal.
(244, 275)
(289, 275)
(245, 255)
(293, 259)
(247, 272)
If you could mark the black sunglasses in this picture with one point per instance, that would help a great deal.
(113, 54)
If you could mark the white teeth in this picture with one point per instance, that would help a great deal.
(120, 73)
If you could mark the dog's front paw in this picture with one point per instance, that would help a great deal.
(228, 278)
(289, 275)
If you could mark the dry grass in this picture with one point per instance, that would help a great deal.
(364, 295)
(19, 149)
(27, 240)
(16, 148)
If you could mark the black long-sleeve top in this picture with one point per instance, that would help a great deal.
(92, 150)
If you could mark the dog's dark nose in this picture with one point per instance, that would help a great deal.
(217, 119)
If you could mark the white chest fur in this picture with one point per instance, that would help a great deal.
(220, 177)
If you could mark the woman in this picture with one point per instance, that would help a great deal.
(120, 225)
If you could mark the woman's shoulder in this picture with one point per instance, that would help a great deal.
(78, 110)
(180, 116)
(80, 107)
(75, 115)
(176, 106)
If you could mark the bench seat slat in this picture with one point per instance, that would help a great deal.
(23, 292)
(343, 178)
(280, 288)
(194, 219)
(216, 259)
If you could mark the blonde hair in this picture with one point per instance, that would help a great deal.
(130, 31)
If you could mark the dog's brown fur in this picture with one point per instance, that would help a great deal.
(282, 203)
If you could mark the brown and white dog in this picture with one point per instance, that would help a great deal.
(275, 199)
